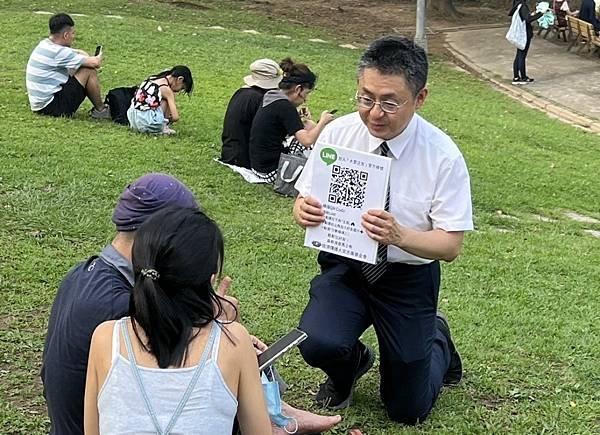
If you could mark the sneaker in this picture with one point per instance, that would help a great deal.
(103, 113)
(527, 80)
(517, 81)
(454, 373)
(329, 397)
(167, 130)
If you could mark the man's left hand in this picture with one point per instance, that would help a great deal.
(435, 244)
(382, 227)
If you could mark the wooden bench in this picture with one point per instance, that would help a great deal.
(582, 33)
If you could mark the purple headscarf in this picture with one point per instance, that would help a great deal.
(148, 194)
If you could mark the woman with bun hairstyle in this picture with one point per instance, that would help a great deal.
(278, 118)
(172, 366)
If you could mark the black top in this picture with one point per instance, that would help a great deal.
(94, 291)
(587, 13)
(271, 125)
(237, 123)
(525, 15)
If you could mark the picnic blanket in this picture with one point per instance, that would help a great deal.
(246, 173)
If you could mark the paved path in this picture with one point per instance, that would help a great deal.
(566, 85)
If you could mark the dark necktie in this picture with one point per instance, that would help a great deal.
(372, 272)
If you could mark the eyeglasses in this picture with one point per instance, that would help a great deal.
(386, 106)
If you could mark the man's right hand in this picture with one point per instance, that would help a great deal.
(308, 212)
(326, 117)
(93, 61)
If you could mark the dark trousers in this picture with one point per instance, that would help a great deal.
(519, 69)
(401, 306)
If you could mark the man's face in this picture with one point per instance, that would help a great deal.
(69, 36)
(380, 87)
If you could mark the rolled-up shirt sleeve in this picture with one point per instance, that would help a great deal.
(451, 208)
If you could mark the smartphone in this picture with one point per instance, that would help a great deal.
(281, 346)
(333, 111)
(98, 50)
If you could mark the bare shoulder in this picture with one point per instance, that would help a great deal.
(166, 91)
(237, 335)
(102, 336)
(236, 330)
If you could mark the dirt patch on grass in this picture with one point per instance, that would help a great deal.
(360, 21)
(187, 4)
(491, 403)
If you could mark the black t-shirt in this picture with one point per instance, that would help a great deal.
(91, 293)
(271, 125)
(237, 123)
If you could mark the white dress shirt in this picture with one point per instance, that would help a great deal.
(429, 181)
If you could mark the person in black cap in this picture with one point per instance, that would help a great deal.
(99, 289)
(278, 118)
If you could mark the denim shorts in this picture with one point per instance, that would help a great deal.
(146, 121)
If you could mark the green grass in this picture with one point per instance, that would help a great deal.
(522, 298)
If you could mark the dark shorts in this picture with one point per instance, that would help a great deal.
(67, 100)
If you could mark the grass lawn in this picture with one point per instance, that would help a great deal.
(522, 298)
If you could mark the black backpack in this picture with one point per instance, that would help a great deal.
(119, 100)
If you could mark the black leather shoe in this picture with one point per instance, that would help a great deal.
(454, 373)
(330, 398)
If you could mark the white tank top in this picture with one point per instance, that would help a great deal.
(210, 408)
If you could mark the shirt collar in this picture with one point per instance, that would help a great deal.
(111, 256)
(398, 143)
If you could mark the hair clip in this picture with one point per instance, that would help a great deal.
(150, 273)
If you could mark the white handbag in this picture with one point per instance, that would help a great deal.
(517, 35)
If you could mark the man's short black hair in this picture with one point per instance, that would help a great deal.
(396, 55)
(59, 22)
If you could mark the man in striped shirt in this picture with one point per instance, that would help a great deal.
(58, 77)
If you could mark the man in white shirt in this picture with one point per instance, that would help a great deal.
(58, 77)
(429, 210)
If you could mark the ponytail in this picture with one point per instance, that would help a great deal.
(175, 254)
(178, 71)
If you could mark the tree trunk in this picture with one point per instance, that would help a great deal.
(445, 7)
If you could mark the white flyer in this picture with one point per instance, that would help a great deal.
(347, 183)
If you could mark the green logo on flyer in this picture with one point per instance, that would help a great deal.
(328, 155)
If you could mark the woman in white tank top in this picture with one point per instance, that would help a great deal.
(172, 367)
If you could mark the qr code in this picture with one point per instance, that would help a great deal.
(347, 186)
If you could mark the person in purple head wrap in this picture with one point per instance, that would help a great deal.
(98, 290)
(147, 195)
(94, 291)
